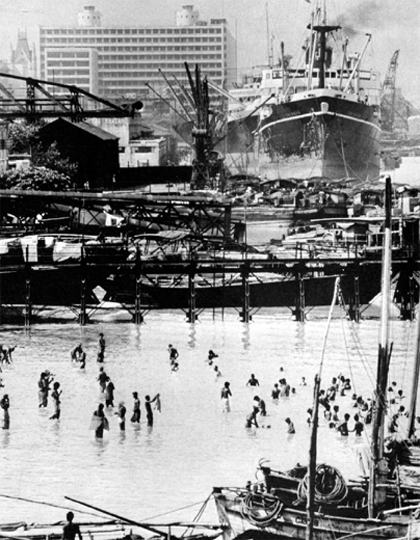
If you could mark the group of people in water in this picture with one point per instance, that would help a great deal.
(282, 389)
(99, 421)
(48, 388)
(340, 386)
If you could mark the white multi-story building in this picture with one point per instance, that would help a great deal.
(124, 59)
(72, 65)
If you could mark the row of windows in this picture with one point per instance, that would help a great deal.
(71, 40)
(63, 63)
(67, 54)
(53, 72)
(79, 81)
(146, 74)
(104, 84)
(143, 73)
(123, 43)
(205, 61)
(162, 56)
(146, 65)
(128, 31)
(145, 60)
(157, 48)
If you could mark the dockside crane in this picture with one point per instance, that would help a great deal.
(203, 126)
(388, 93)
(72, 102)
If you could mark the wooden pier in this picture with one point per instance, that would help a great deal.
(298, 284)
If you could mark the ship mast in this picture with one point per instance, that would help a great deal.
(323, 12)
(322, 31)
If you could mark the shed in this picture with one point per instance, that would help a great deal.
(93, 149)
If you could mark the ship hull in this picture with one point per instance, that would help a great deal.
(317, 290)
(320, 136)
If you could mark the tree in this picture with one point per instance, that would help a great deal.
(37, 178)
(49, 170)
(51, 158)
(23, 136)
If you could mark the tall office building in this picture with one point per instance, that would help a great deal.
(119, 61)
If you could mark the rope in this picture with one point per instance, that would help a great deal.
(358, 346)
(334, 301)
(173, 511)
(330, 486)
(253, 505)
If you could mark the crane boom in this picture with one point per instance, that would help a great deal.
(388, 93)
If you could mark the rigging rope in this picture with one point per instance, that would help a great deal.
(198, 515)
(173, 511)
(330, 314)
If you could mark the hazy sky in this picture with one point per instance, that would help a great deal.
(394, 24)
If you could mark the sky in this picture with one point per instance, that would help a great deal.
(394, 24)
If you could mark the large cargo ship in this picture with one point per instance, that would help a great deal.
(320, 120)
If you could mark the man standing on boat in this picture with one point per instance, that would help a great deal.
(70, 529)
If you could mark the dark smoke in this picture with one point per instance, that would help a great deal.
(368, 15)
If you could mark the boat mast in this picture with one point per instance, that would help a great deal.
(415, 385)
(310, 501)
(379, 467)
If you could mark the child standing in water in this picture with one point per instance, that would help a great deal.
(5, 405)
(55, 394)
(225, 394)
(251, 419)
(149, 413)
(109, 394)
(99, 421)
(122, 411)
(136, 409)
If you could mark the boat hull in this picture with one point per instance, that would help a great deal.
(287, 522)
(282, 291)
(50, 285)
(322, 136)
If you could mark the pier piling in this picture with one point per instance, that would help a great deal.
(299, 311)
(28, 300)
(192, 314)
(246, 305)
(138, 316)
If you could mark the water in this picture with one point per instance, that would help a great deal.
(168, 470)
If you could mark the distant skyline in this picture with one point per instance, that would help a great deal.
(394, 25)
